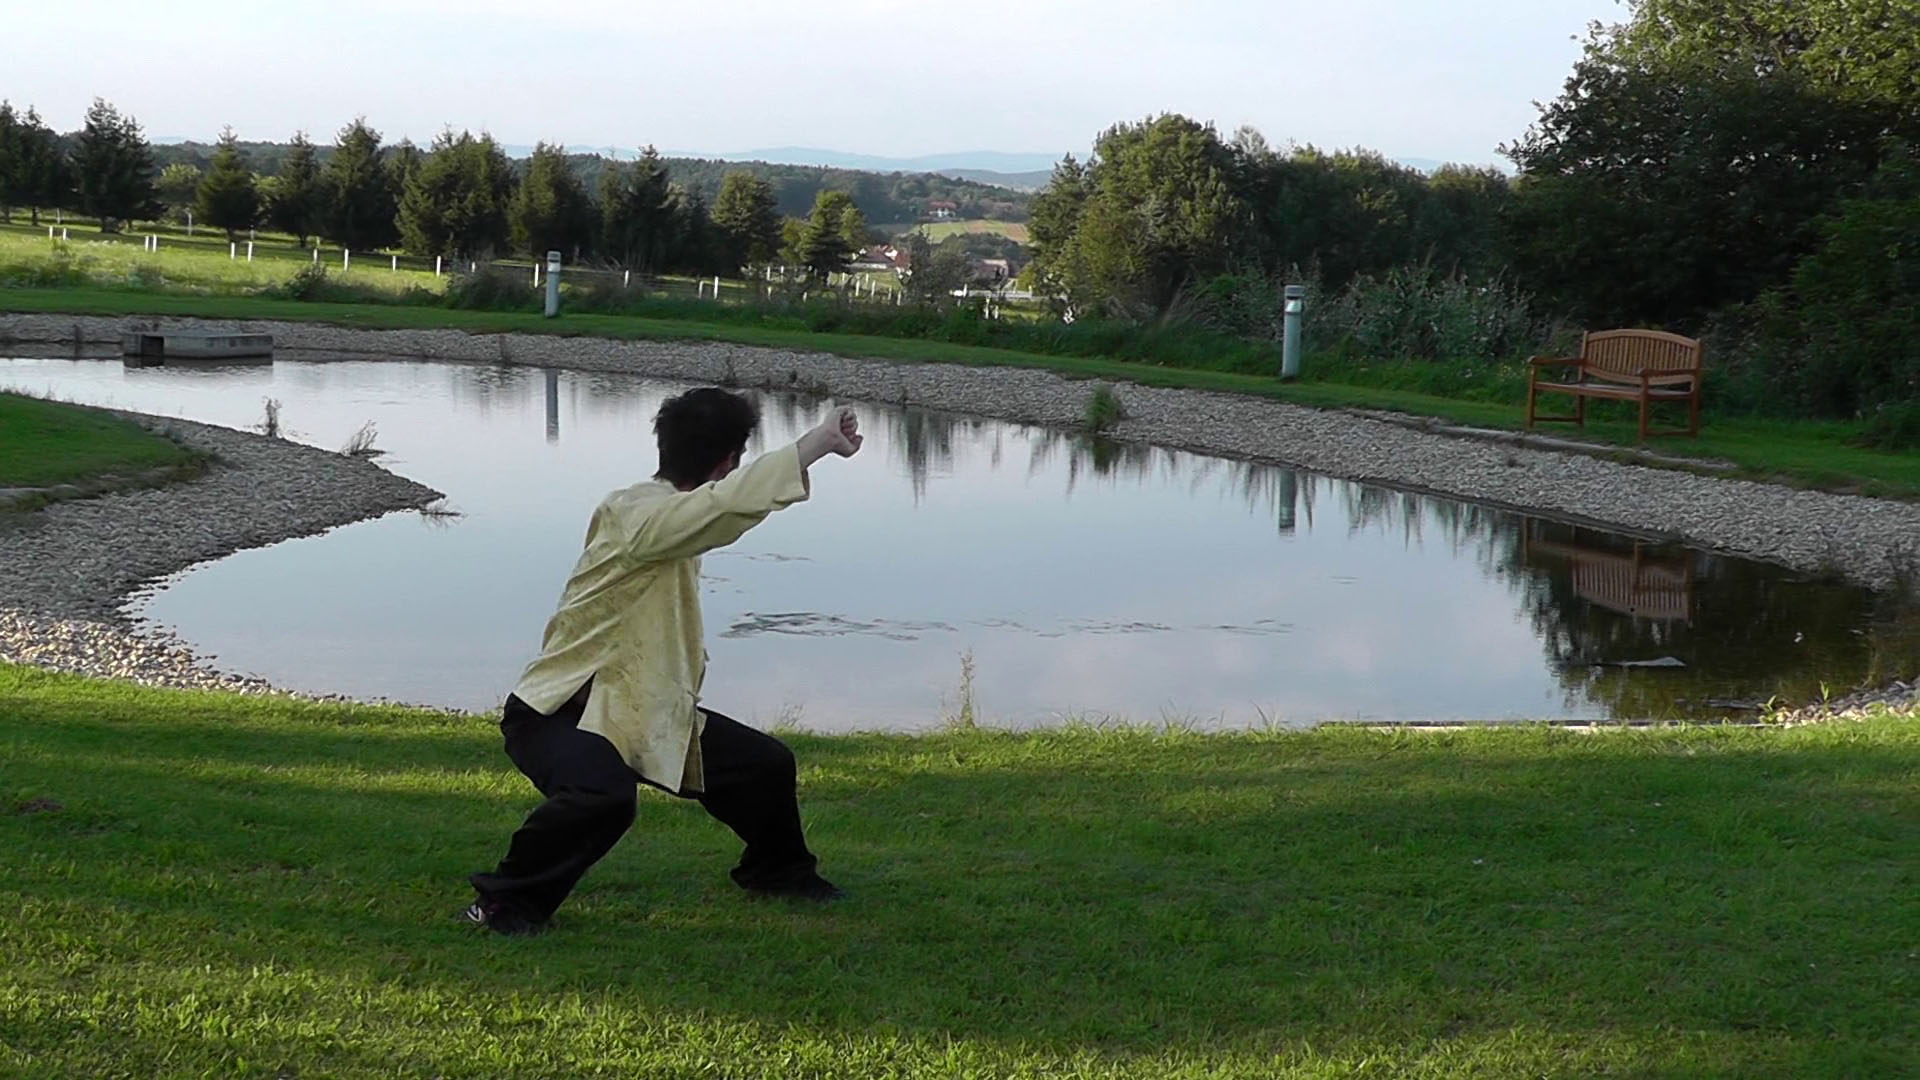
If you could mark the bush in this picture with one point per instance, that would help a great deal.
(1843, 340)
(60, 269)
(1413, 313)
(1894, 427)
(309, 284)
(492, 290)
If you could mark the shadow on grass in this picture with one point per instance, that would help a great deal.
(1116, 894)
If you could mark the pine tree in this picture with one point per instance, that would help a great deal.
(113, 168)
(636, 217)
(227, 198)
(47, 179)
(12, 163)
(457, 201)
(823, 248)
(359, 203)
(747, 215)
(295, 206)
(552, 210)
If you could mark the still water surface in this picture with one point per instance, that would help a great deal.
(1084, 581)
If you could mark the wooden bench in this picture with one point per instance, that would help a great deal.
(1624, 365)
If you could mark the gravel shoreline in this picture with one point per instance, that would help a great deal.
(1874, 542)
(71, 567)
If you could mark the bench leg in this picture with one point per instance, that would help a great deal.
(1646, 403)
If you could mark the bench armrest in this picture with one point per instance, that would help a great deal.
(1554, 361)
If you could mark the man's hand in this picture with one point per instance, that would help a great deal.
(838, 434)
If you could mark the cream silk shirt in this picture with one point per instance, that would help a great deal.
(629, 618)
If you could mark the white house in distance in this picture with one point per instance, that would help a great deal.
(882, 258)
(940, 210)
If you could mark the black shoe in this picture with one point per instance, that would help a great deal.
(812, 888)
(500, 919)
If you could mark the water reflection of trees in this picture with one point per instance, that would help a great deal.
(1595, 600)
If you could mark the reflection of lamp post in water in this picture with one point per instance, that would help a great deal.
(553, 405)
(1289, 498)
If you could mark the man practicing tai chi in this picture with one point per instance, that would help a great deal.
(613, 699)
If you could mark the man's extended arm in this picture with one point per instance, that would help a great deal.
(716, 514)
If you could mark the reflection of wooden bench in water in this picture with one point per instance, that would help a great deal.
(1633, 584)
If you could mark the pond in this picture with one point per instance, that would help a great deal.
(1031, 573)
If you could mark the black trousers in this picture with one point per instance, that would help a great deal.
(590, 800)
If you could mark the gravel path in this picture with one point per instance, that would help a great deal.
(1875, 542)
(71, 566)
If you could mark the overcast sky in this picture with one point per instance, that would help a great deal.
(1446, 79)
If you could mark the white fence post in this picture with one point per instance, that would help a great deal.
(536, 275)
(249, 251)
(716, 286)
(626, 278)
(63, 232)
(436, 266)
(346, 259)
(316, 256)
(396, 264)
(233, 251)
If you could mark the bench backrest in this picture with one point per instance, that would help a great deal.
(1618, 356)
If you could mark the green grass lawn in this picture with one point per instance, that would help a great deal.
(1810, 453)
(47, 442)
(207, 885)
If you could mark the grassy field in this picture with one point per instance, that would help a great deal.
(937, 231)
(213, 885)
(1808, 453)
(191, 266)
(43, 443)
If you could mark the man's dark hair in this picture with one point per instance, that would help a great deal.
(700, 429)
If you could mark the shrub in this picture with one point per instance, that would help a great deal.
(492, 290)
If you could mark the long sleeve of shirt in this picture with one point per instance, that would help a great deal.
(629, 617)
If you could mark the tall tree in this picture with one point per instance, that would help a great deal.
(823, 246)
(113, 169)
(551, 211)
(1056, 217)
(1657, 191)
(178, 189)
(747, 215)
(296, 203)
(854, 229)
(456, 202)
(697, 245)
(12, 165)
(359, 203)
(1860, 51)
(1160, 213)
(46, 176)
(403, 159)
(636, 214)
(227, 198)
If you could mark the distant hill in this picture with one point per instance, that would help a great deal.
(1020, 172)
(890, 197)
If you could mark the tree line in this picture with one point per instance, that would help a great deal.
(1745, 170)
(460, 197)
